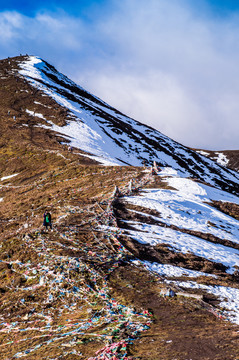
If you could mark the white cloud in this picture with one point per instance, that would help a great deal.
(10, 23)
(43, 34)
(161, 62)
(174, 70)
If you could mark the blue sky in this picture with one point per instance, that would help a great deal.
(222, 6)
(29, 7)
(75, 8)
(170, 64)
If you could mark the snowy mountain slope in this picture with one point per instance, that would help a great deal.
(185, 222)
(85, 289)
(114, 138)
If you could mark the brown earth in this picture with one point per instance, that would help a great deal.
(227, 208)
(182, 329)
(77, 191)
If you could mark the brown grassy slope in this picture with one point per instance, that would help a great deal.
(75, 195)
(21, 138)
(76, 190)
(182, 329)
(233, 156)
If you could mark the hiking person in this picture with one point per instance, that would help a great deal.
(47, 220)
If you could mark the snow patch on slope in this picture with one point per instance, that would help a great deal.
(171, 270)
(83, 137)
(222, 159)
(188, 207)
(8, 177)
(33, 113)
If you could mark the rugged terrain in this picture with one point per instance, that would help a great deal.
(228, 158)
(97, 286)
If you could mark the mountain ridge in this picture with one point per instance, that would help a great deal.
(119, 131)
(138, 265)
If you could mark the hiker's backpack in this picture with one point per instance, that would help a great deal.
(47, 218)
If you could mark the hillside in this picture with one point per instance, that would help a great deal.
(228, 158)
(97, 285)
(97, 128)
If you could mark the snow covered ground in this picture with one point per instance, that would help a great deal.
(222, 159)
(188, 207)
(171, 270)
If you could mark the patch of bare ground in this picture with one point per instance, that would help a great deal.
(58, 188)
(233, 157)
(158, 182)
(181, 330)
(227, 208)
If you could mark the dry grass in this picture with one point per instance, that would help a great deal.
(77, 190)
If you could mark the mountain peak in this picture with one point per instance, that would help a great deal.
(105, 134)
(168, 234)
(110, 136)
